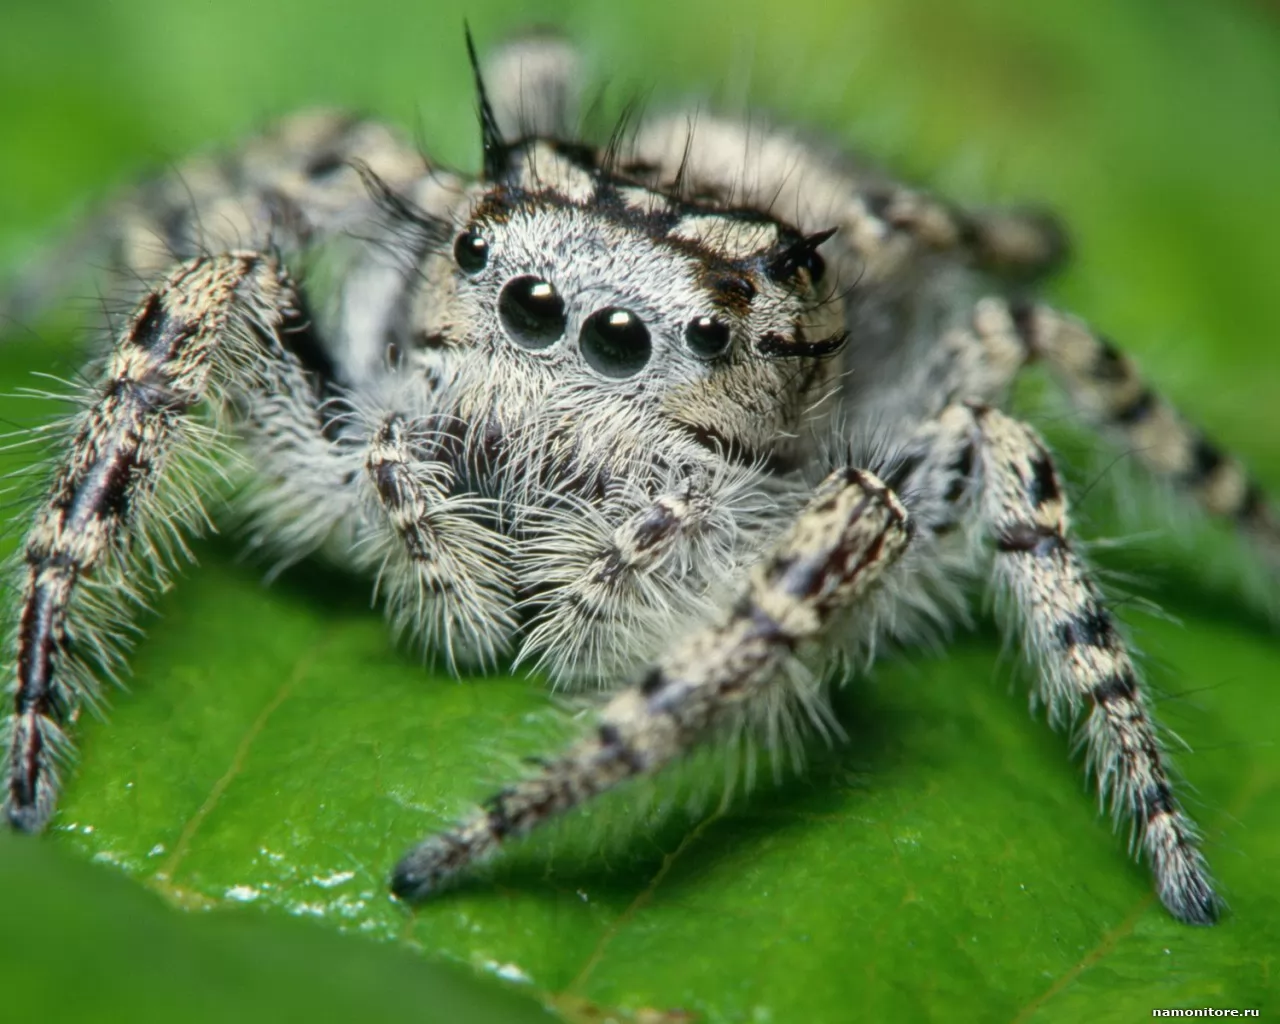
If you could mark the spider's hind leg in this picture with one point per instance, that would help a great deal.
(532, 83)
(886, 228)
(1106, 386)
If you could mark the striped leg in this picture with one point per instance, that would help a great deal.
(127, 494)
(605, 597)
(1081, 657)
(851, 530)
(977, 362)
(291, 185)
(440, 567)
(1106, 385)
(884, 226)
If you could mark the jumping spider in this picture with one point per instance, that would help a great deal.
(703, 410)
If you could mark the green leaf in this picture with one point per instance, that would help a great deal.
(276, 749)
(85, 946)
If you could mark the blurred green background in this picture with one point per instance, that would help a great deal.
(276, 752)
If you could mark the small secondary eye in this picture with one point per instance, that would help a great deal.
(706, 336)
(615, 342)
(817, 267)
(532, 311)
(471, 250)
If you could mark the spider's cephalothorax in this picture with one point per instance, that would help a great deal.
(589, 343)
(682, 417)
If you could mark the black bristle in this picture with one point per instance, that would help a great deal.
(496, 152)
(802, 253)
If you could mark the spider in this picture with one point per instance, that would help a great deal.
(697, 416)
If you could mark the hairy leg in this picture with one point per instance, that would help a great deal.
(884, 226)
(979, 359)
(850, 531)
(291, 185)
(605, 596)
(127, 492)
(1083, 665)
(1105, 385)
(441, 568)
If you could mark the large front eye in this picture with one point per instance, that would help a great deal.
(615, 342)
(471, 250)
(532, 311)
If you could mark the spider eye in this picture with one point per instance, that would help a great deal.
(471, 250)
(817, 267)
(706, 336)
(532, 311)
(615, 342)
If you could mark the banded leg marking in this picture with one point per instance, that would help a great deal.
(1106, 385)
(123, 498)
(1082, 660)
(848, 534)
(441, 567)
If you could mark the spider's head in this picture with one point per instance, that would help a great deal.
(573, 289)
(568, 276)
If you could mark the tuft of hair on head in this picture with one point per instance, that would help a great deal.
(495, 149)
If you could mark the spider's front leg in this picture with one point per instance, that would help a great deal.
(127, 492)
(839, 546)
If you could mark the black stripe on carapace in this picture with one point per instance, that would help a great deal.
(496, 151)
(731, 292)
(775, 346)
(582, 155)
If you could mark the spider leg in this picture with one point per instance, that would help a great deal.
(1076, 646)
(978, 360)
(128, 492)
(292, 185)
(885, 227)
(441, 567)
(1106, 386)
(606, 596)
(837, 548)
(532, 82)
